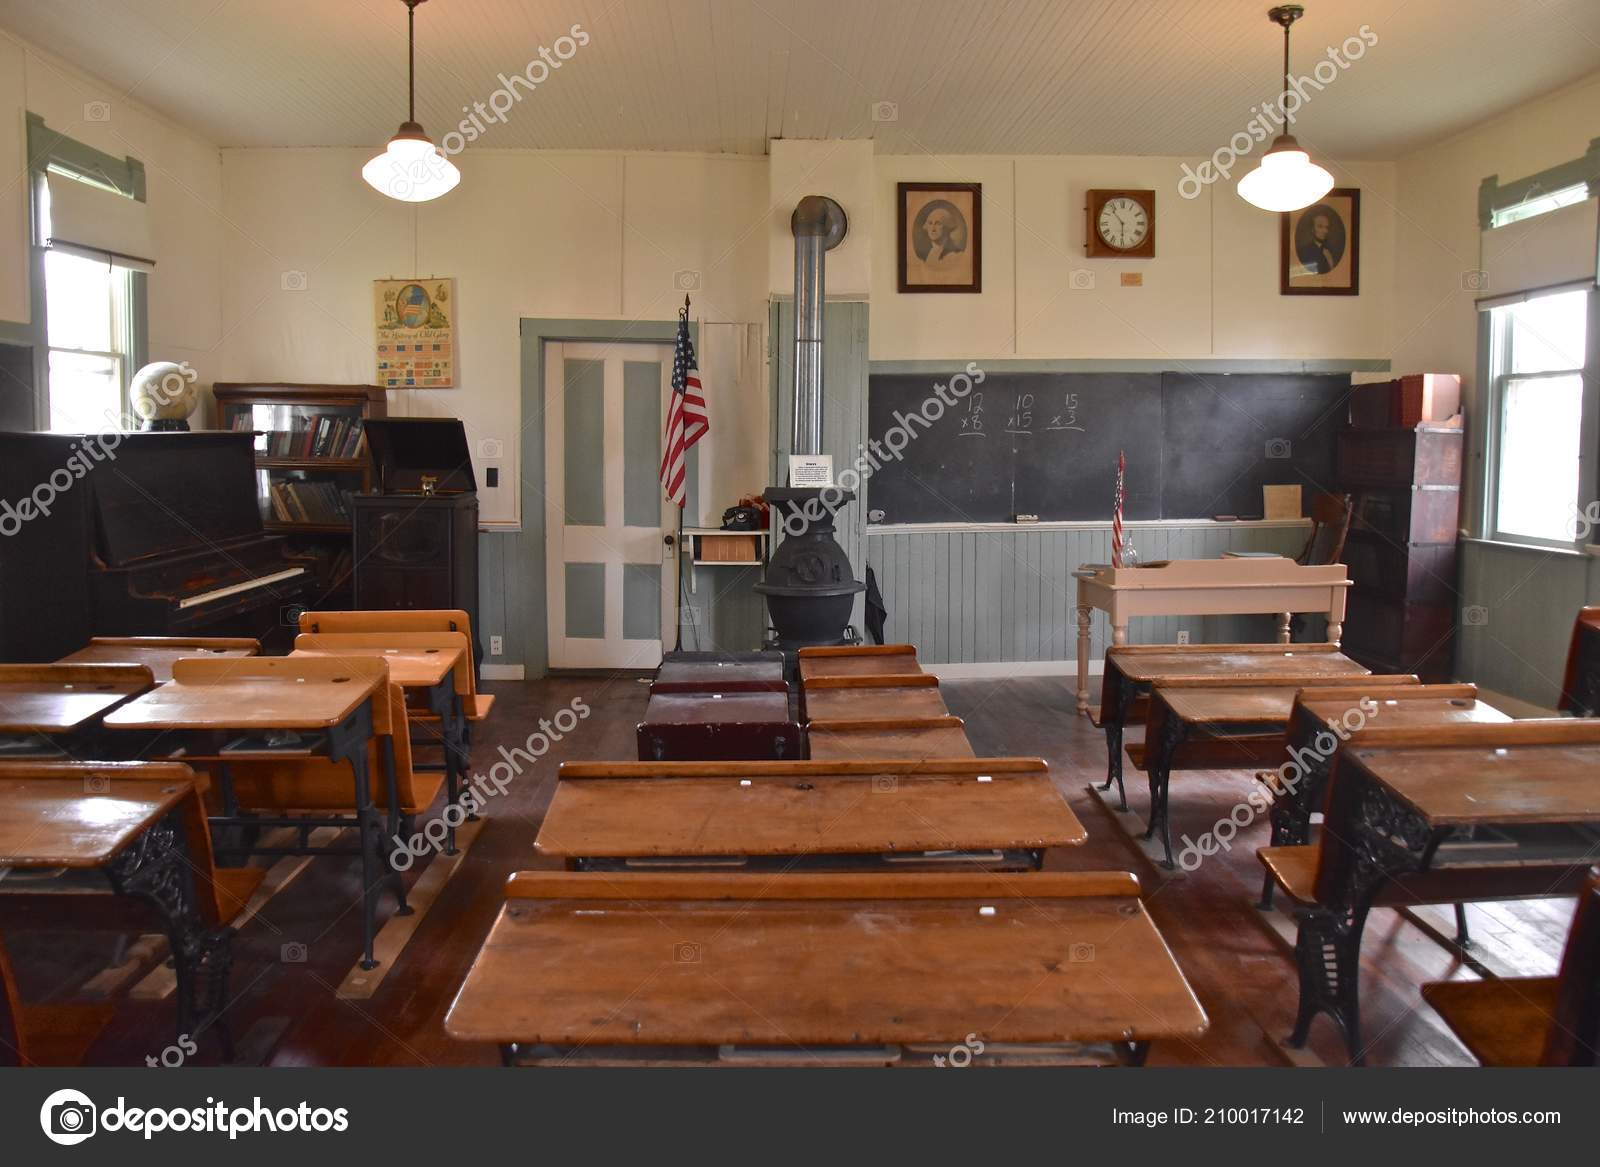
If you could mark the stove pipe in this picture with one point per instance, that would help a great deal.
(809, 586)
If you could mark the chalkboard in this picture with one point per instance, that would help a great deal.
(1046, 444)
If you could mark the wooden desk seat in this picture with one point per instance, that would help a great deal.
(858, 660)
(223, 891)
(910, 738)
(1580, 685)
(158, 652)
(477, 705)
(874, 698)
(307, 785)
(1534, 1021)
(811, 956)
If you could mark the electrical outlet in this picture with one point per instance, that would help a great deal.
(497, 645)
(1183, 636)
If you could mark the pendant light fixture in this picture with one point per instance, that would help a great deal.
(1287, 179)
(411, 168)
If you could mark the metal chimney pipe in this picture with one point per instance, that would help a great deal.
(818, 225)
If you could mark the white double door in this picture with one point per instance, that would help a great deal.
(611, 575)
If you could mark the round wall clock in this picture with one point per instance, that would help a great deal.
(1120, 223)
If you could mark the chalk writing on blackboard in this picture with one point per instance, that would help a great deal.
(1067, 416)
(972, 423)
(1021, 419)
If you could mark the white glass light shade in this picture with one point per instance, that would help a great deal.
(411, 168)
(1286, 180)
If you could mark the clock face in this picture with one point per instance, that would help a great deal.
(1122, 223)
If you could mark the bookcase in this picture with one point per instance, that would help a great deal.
(311, 459)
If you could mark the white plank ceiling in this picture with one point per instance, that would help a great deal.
(967, 76)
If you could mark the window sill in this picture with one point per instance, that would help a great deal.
(1533, 549)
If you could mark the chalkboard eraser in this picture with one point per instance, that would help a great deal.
(1225, 518)
(1027, 518)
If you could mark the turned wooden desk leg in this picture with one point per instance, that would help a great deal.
(1283, 627)
(1084, 612)
(1119, 634)
(1335, 631)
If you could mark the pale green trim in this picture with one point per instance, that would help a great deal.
(1493, 195)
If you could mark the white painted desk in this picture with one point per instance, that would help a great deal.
(1206, 587)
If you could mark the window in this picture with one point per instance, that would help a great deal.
(1537, 354)
(1539, 204)
(88, 318)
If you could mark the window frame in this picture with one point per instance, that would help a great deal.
(1496, 348)
(50, 150)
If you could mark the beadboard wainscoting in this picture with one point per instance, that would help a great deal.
(1004, 593)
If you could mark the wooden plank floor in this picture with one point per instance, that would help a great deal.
(291, 958)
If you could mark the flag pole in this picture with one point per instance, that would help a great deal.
(677, 643)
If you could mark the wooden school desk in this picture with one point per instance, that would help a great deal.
(49, 710)
(101, 828)
(858, 660)
(818, 969)
(908, 738)
(1496, 819)
(266, 708)
(158, 652)
(1223, 723)
(999, 813)
(873, 698)
(435, 664)
(1205, 587)
(1132, 669)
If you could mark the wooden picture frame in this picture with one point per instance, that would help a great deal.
(950, 259)
(1319, 248)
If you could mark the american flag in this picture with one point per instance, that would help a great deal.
(687, 419)
(1116, 513)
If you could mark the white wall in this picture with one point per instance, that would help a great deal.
(1438, 239)
(183, 175)
(526, 234)
(1210, 291)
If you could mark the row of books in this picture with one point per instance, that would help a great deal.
(305, 501)
(337, 437)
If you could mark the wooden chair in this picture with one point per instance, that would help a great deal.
(1580, 688)
(1534, 1021)
(1330, 526)
(60, 1033)
(421, 620)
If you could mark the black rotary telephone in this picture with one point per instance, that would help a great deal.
(741, 519)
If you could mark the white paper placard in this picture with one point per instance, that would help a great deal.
(810, 469)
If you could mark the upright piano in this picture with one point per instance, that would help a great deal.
(156, 534)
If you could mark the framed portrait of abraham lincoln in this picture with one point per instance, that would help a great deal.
(1320, 249)
(940, 242)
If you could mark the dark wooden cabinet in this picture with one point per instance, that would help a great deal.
(1401, 552)
(418, 551)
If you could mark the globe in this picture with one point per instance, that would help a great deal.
(164, 395)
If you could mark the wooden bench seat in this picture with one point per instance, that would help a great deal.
(1215, 753)
(1501, 1022)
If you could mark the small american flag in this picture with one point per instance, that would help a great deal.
(687, 419)
(1116, 513)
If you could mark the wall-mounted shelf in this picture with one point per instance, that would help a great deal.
(714, 547)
